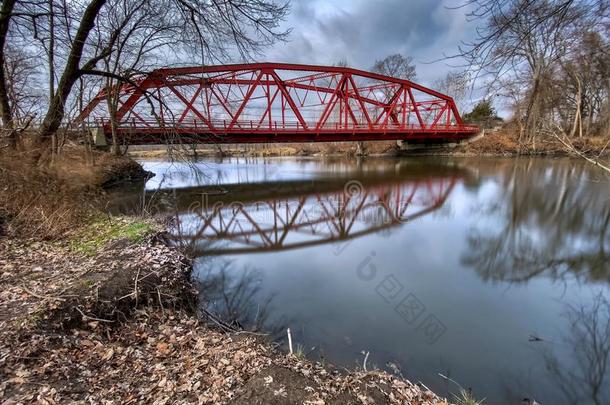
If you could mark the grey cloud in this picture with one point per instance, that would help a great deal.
(325, 32)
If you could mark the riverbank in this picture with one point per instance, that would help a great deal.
(108, 313)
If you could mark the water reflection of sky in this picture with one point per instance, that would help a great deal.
(497, 263)
(235, 171)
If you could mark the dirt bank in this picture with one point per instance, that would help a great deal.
(505, 143)
(108, 315)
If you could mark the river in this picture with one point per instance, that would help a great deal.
(493, 272)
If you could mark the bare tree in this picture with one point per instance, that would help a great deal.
(71, 72)
(216, 30)
(456, 85)
(5, 107)
(140, 30)
(582, 89)
(16, 17)
(22, 73)
(396, 65)
(523, 42)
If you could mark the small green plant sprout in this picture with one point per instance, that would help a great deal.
(464, 397)
(300, 351)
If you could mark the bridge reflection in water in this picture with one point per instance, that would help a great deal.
(346, 211)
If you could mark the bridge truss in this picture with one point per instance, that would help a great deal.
(270, 102)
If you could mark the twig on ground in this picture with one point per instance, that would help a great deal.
(135, 288)
(92, 318)
(223, 325)
(42, 297)
(160, 301)
(572, 149)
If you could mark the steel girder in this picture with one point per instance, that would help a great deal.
(271, 102)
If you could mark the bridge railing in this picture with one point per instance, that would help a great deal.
(246, 126)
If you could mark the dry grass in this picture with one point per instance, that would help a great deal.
(50, 200)
(83, 169)
(344, 148)
(506, 142)
(35, 203)
(496, 143)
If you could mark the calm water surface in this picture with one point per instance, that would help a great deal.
(493, 272)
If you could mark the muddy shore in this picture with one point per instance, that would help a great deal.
(116, 322)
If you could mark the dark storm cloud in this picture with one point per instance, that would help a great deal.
(360, 32)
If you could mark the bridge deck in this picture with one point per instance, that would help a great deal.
(196, 133)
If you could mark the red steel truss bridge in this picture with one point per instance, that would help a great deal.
(274, 102)
(311, 219)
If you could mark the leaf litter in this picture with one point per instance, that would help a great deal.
(121, 327)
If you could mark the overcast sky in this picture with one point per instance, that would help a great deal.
(361, 31)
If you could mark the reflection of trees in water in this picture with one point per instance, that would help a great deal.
(553, 220)
(586, 379)
(234, 296)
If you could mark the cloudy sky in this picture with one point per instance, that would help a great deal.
(361, 31)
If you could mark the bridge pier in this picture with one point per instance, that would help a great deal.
(405, 145)
(418, 146)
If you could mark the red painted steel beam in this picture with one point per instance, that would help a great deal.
(158, 135)
(288, 98)
(358, 113)
(287, 83)
(296, 67)
(245, 101)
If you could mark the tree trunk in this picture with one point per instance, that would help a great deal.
(5, 106)
(56, 111)
(577, 114)
(360, 150)
(112, 96)
(577, 122)
(51, 56)
(533, 111)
